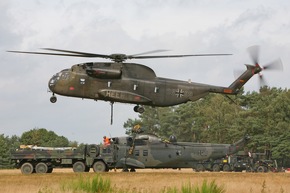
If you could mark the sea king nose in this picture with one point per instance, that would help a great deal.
(51, 83)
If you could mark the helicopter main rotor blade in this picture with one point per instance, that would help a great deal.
(54, 54)
(174, 56)
(113, 57)
(82, 54)
(149, 52)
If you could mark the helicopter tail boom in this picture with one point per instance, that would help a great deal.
(235, 87)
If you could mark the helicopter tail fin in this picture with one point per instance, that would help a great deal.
(243, 79)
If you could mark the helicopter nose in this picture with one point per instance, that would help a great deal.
(51, 83)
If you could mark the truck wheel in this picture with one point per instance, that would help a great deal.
(226, 168)
(99, 166)
(261, 169)
(216, 168)
(27, 168)
(41, 168)
(199, 168)
(79, 167)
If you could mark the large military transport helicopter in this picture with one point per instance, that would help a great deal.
(134, 83)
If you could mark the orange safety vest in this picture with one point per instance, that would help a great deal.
(106, 141)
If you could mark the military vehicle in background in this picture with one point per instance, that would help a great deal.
(127, 153)
(236, 162)
(243, 161)
(262, 162)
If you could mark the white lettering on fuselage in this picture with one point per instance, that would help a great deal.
(114, 94)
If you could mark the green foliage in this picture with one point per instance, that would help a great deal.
(42, 137)
(170, 190)
(211, 187)
(84, 184)
(6, 144)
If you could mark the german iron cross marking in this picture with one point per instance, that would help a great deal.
(179, 93)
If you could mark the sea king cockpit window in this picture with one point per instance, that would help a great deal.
(54, 79)
(64, 74)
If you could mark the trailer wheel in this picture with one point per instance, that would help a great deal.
(216, 168)
(99, 166)
(41, 168)
(226, 168)
(27, 168)
(79, 167)
(199, 168)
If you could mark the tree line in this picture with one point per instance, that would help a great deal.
(263, 115)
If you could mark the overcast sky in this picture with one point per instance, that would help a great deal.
(129, 27)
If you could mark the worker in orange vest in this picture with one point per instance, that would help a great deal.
(106, 141)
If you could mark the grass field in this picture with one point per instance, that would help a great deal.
(146, 181)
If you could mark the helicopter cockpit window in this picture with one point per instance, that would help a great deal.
(55, 78)
(64, 75)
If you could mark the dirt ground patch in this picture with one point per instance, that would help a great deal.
(147, 180)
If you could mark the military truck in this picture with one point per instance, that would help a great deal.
(236, 162)
(127, 153)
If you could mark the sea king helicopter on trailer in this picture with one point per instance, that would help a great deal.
(118, 81)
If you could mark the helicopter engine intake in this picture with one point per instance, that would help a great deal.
(104, 73)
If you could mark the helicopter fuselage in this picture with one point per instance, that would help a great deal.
(126, 83)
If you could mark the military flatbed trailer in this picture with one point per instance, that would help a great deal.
(44, 159)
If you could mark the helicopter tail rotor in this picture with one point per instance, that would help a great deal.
(252, 69)
(254, 52)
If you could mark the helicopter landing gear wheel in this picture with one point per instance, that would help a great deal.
(53, 99)
(139, 109)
